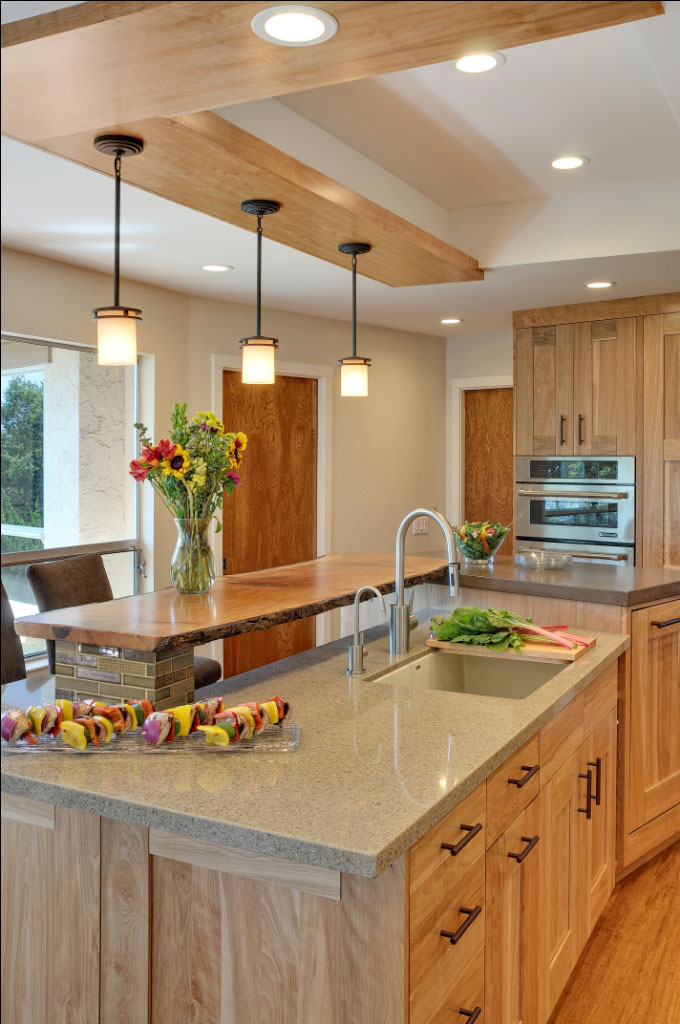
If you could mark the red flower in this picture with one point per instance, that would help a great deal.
(151, 456)
(139, 471)
(166, 448)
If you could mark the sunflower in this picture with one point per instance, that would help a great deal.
(178, 464)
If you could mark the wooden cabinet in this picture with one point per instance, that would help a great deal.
(652, 791)
(576, 388)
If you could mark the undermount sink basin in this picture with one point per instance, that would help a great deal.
(470, 673)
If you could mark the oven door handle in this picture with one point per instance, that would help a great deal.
(605, 558)
(549, 495)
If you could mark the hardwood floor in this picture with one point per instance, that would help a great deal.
(630, 969)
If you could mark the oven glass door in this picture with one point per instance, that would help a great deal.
(579, 514)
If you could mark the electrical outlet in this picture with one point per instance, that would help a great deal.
(421, 525)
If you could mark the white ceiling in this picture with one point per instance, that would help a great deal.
(460, 140)
(28, 9)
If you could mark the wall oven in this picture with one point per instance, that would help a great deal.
(582, 505)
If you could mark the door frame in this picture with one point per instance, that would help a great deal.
(455, 461)
(324, 454)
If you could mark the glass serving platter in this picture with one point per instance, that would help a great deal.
(274, 740)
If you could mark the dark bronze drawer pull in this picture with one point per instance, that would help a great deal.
(597, 765)
(581, 420)
(472, 1015)
(531, 771)
(456, 936)
(588, 809)
(455, 848)
(519, 857)
(662, 625)
(563, 420)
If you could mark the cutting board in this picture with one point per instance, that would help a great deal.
(532, 649)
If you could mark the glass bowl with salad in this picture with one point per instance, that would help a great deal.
(479, 542)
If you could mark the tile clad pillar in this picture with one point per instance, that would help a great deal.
(117, 674)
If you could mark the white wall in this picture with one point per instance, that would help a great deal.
(388, 451)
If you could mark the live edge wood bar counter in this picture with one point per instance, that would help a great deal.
(141, 647)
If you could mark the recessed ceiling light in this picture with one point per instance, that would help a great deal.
(450, 320)
(294, 25)
(474, 63)
(569, 163)
(600, 284)
(216, 268)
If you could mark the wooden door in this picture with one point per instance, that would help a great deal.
(271, 519)
(653, 763)
(659, 468)
(606, 381)
(513, 922)
(544, 366)
(488, 473)
(560, 860)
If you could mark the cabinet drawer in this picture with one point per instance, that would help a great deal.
(466, 994)
(505, 799)
(435, 871)
(438, 969)
(600, 697)
(560, 738)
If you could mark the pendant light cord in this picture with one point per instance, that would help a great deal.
(116, 240)
(258, 327)
(354, 306)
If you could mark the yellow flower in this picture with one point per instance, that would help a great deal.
(209, 421)
(178, 465)
(241, 441)
(198, 473)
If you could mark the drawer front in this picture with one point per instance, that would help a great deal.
(600, 697)
(438, 969)
(467, 994)
(560, 738)
(434, 870)
(511, 788)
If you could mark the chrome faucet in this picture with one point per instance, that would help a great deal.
(400, 612)
(356, 649)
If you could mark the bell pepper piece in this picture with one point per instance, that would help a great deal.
(73, 735)
(214, 735)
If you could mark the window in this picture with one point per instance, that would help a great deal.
(67, 438)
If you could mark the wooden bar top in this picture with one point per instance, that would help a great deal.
(165, 620)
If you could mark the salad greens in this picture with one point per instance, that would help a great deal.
(482, 626)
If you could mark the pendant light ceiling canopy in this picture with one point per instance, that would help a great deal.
(116, 324)
(258, 358)
(354, 368)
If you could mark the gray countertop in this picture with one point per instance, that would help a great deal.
(599, 584)
(378, 764)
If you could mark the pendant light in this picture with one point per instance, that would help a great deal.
(258, 357)
(116, 324)
(354, 369)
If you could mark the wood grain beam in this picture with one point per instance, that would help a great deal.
(602, 309)
(210, 165)
(88, 66)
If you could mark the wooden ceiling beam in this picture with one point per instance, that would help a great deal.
(94, 64)
(210, 165)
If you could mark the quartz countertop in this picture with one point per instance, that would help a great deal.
(377, 766)
(599, 584)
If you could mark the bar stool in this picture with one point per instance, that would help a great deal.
(13, 666)
(67, 582)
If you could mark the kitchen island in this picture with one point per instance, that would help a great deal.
(253, 887)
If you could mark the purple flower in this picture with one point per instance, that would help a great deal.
(235, 477)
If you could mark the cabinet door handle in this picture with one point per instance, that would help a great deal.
(455, 848)
(530, 770)
(588, 809)
(456, 936)
(597, 765)
(519, 857)
(472, 1015)
(663, 625)
(563, 420)
(581, 420)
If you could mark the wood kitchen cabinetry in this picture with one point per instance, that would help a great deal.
(603, 378)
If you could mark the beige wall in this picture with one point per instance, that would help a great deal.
(387, 450)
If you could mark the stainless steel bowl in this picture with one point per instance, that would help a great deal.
(536, 558)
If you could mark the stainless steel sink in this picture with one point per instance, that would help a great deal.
(472, 673)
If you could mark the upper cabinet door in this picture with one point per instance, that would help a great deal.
(544, 390)
(605, 387)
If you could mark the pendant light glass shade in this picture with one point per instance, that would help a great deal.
(258, 353)
(354, 377)
(116, 324)
(354, 368)
(258, 360)
(116, 335)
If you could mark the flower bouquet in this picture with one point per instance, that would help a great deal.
(191, 471)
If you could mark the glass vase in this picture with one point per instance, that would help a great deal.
(192, 569)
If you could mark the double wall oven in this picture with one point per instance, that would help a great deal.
(582, 505)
